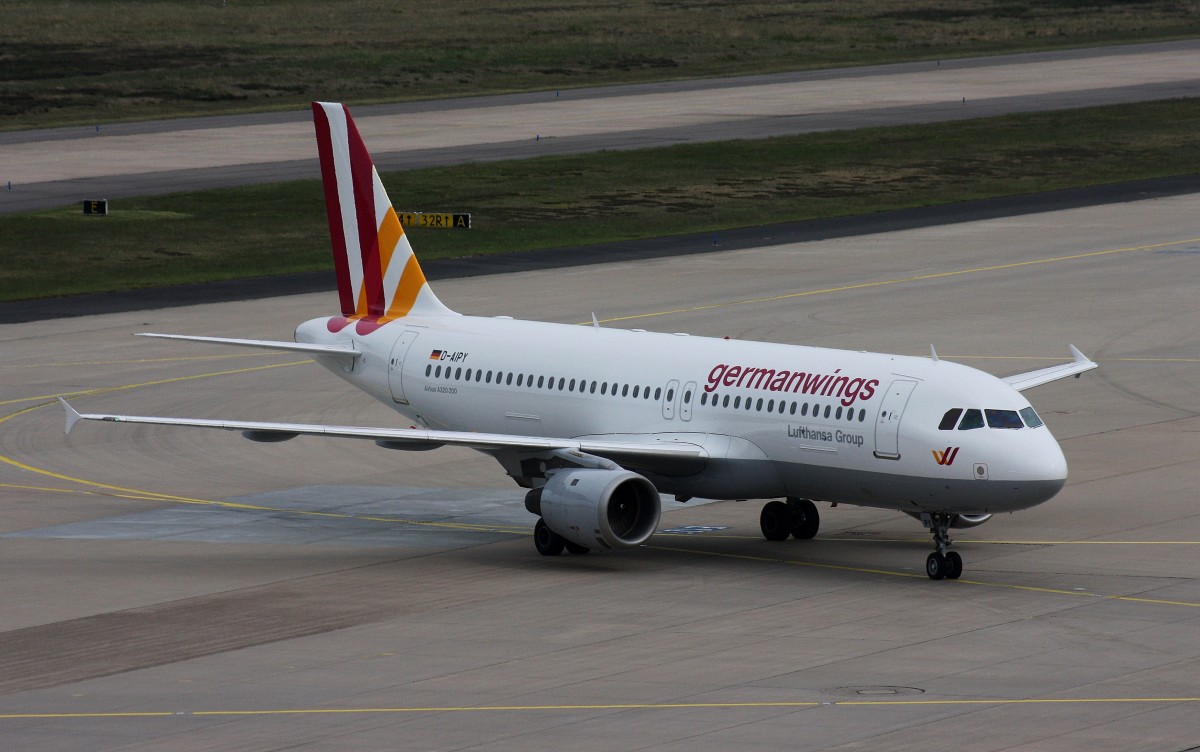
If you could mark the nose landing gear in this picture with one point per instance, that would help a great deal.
(941, 563)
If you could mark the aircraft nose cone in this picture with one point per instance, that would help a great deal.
(1042, 470)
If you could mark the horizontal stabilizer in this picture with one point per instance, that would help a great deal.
(264, 344)
(1030, 379)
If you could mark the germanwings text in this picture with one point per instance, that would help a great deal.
(847, 389)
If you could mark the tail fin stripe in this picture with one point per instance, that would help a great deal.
(333, 207)
(389, 236)
(411, 282)
(347, 219)
(363, 175)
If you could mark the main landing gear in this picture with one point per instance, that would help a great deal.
(942, 563)
(797, 518)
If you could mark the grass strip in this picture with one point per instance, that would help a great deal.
(603, 197)
(67, 63)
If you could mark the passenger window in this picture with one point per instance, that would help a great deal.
(862, 415)
(428, 369)
(636, 390)
(971, 419)
(793, 409)
(508, 381)
(624, 390)
(1003, 419)
(737, 402)
(670, 395)
(827, 411)
(541, 379)
(771, 406)
(1031, 417)
(950, 419)
(725, 401)
(804, 409)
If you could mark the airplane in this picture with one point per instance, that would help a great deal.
(598, 422)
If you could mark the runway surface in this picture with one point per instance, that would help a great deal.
(56, 167)
(191, 590)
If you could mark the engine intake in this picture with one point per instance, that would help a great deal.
(594, 508)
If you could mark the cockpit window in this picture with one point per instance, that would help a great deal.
(950, 419)
(972, 419)
(1031, 417)
(1003, 419)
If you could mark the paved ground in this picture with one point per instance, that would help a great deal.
(52, 168)
(191, 590)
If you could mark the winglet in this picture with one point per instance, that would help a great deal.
(1078, 365)
(73, 415)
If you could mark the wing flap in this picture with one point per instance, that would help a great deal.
(1028, 380)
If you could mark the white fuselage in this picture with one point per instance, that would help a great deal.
(773, 420)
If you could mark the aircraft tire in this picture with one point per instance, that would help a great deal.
(546, 541)
(954, 565)
(936, 566)
(806, 519)
(775, 521)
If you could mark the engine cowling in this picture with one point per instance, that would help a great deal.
(596, 508)
(963, 521)
(960, 521)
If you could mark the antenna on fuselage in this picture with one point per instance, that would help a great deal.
(933, 352)
(595, 322)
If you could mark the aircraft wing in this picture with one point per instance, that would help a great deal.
(1030, 379)
(264, 344)
(647, 452)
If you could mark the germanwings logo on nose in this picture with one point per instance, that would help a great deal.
(945, 457)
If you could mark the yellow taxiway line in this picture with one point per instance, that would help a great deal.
(783, 704)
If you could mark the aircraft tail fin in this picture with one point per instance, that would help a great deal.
(379, 278)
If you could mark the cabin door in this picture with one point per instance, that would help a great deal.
(887, 425)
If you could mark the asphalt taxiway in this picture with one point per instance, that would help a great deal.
(188, 589)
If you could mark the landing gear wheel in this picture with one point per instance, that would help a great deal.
(776, 521)
(575, 548)
(546, 541)
(954, 565)
(805, 519)
(936, 566)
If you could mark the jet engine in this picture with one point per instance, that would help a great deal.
(598, 508)
(962, 521)
(959, 521)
